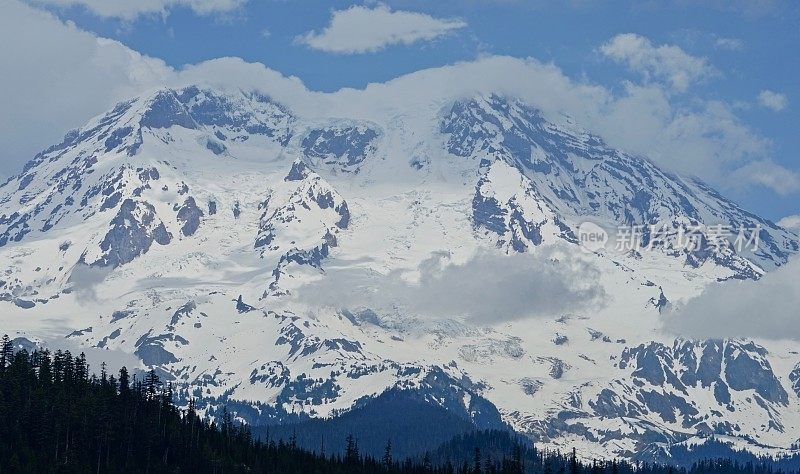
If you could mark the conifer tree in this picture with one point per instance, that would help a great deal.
(387, 455)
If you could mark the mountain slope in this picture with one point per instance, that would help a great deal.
(297, 266)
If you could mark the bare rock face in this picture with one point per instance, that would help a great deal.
(189, 215)
(343, 148)
(133, 231)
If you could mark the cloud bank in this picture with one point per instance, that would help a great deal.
(360, 29)
(487, 288)
(56, 77)
(762, 309)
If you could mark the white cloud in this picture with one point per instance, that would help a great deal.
(772, 100)
(361, 29)
(704, 139)
(489, 287)
(56, 76)
(666, 62)
(85, 279)
(699, 39)
(770, 175)
(730, 44)
(130, 9)
(790, 222)
(766, 308)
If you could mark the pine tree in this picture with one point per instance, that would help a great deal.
(351, 455)
(6, 352)
(426, 462)
(151, 383)
(387, 455)
(573, 463)
(516, 460)
(124, 381)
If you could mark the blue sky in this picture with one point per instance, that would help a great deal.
(740, 55)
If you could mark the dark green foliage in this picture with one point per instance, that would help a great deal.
(714, 449)
(55, 416)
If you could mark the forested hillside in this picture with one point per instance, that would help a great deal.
(56, 415)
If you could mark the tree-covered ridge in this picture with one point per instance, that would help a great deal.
(58, 416)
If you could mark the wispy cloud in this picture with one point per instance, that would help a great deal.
(730, 44)
(662, 63)
(772, 100)
(790, 222)
(704, 40)
(360, 29)
(85, 279)
(130, 9)
(770, 175)
(746, 8)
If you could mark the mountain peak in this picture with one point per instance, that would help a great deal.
(164, 110)
(299, 171)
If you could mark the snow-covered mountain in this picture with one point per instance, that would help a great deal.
(282, 264)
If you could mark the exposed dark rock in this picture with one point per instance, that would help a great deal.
(165, 110)
(182, 312)
(190, 215)
(744, 372)
(133, 231)
(152, 352)
(346, 148)
(299, 172)
(487, 213)
(243, 307)
(216, 147)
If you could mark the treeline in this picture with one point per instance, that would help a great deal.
(56, 415)
(712, 448)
